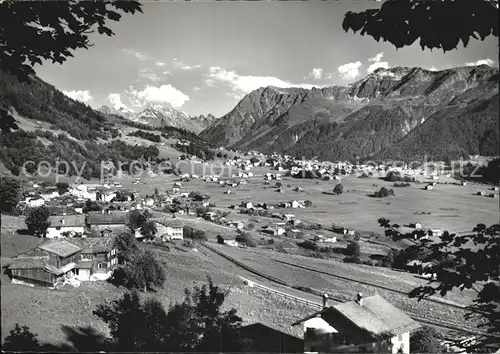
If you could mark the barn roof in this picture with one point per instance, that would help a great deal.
(115, 217)
(77, 220)
(94, 244)
(376, 315)
(20, 263)
(62, 248)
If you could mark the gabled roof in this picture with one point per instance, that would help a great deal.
(376, 316)
(77, 220)
(172, 222)
(115, 217)
(62, 248)
(94, 244)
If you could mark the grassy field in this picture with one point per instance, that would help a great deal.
(450, 207)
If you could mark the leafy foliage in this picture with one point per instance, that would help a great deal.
(144, 271)
(136, 219)
(486, 174)
(245, 238)
(309, 245)
(20, 147)
(62, 187)
(91, 205)
(9, 194)
(34, 31)
(426, 340)
(21, 339)
(196, 148)
(463, 262)
(146, 135)
(338, 189)
(194, 234)
(126, 318)
(383, 192)
(148, 230)
(353, 249)
(438, 24)
(37, 220)
(127, 247)
(198, 324)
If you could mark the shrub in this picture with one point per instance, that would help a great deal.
(244, 238)
(364, 175)
(37, 220)
(353, 249)
(339, 189)
(194, 234)
(383, 192)
(188, 243)
(350, 259)
(309, 245)
(404, 184)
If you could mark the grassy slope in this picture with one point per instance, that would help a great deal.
(45, 311)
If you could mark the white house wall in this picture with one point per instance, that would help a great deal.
(53, 232)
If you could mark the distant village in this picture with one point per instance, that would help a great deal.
(85, 218)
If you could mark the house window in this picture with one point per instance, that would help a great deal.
(100, 265)
(58, 227)
(400, 337)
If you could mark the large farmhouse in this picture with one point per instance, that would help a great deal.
(169, 229)
(368, 324)
(105, 224)
(46, 264)
(54, 261)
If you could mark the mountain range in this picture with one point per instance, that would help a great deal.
(391, 113)
(159, 116)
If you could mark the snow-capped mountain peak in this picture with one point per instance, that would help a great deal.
(158, 115)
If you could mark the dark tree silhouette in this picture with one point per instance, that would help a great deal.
(426, 340)
(36, 30)
(438, 24)
(37, 220)
(338, 189)
(198, 324)
(21, 339)
(124, 318)
(136, 219)
(127, 247)
(32, 31)
(144, 272)
(353, 249)
(9, 194)
(148, 230)
(464, 262)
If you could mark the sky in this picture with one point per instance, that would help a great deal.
(203, 57)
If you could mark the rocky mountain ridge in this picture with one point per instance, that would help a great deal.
(390, 112)
(157, 115)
